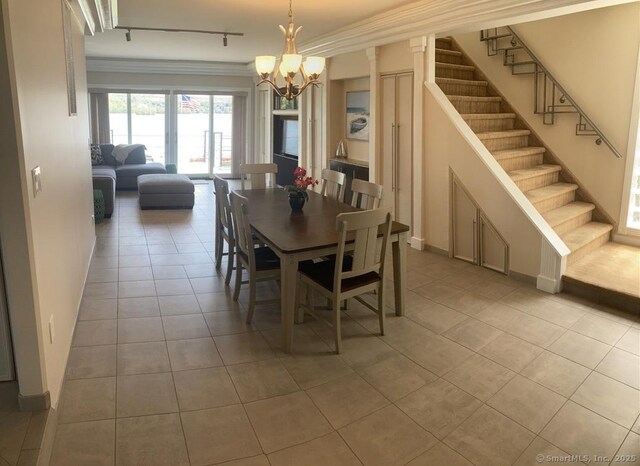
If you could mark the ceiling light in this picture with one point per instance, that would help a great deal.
(224, 40)
(224, 35)
(290, 66)
(128, 35)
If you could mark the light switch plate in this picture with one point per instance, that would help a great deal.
(37, 182)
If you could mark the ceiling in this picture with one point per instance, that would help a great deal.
(258, 20)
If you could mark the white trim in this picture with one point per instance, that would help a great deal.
(373, 54)
(87, 15)
(632, 239)
(418, 243)
(418, 46)
(123, 65)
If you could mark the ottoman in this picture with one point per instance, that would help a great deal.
(165, 191)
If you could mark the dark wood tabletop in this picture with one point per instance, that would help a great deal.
(312, 228)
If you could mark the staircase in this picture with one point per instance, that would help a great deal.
(540, 176)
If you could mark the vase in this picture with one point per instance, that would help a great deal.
(296, 202)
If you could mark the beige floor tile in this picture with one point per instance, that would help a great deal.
(172, 287)
(95, 332)
(88, 400)
(219, 434)
(183, 327)
(437, 292)
(227, 322)
(536, 331)
(557, 373)
(245, 347)
(629, 452)
(104, 262)
(143, 358)
(28, 458)
(500, 315)
(529, 404)
(262, 379)
(636, 426)
(600, 329)
(440, 454)
(287, 420)
(168, 272)
(178, 305)
(84, 444)
(138, 307)
(14, 427)
(310, 370)
(539, 305)
(493, 289)
(207, 284)
(152, 440)
(327, 450)
(166, 248)
(439, 407)
(134, 274)
(346, 399)
(615, 401)
(386, 437)
(197, 353)
(91, 361)
(395, 376)
(98, 309)
(511, 352)
(141, 260)
(204, 389)
(138, 330)
(140, 395)
(541, 451)
(202, 270)
(214, 302)
(35, 432)
(630, 341)
(473, 334)
(438, 318)
(480, 377)
(469, 302)
(132, 249)
(190, 247)
(102, 275)
(622, 366)
(579, 431)
(580, 349)
(489, 438)
(136, 289)
(101, 290)
(260, 460)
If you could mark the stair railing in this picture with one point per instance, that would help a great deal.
(550, 97)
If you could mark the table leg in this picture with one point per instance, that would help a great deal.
(399, 250)
(288, 276)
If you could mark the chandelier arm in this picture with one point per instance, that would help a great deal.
(271, 83)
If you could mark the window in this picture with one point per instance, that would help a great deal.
(118, 118)
(633, 220)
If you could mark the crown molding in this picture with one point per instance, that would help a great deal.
(438, 17)
(124, 65)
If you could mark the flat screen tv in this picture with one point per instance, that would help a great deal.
(285, 141)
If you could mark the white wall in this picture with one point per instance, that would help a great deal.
(593, 55)
(59, 227)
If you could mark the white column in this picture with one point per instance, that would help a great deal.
(374, 105)
(418, 47)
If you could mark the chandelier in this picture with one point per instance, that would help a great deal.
(290, 66)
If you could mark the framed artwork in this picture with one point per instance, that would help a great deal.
(358, 115)
(68, 53)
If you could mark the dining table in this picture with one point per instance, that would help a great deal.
(310, 233)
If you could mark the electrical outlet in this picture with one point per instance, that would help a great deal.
(37, 182)
(52, 330)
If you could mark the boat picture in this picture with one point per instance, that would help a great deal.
(358, 115)
(358, 125)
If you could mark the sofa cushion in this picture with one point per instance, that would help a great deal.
(165, 184)
(106, 150)
(136, 156)
(139, 169)
(96, 155)
(103, 171)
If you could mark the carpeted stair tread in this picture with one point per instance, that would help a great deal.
(466, 82)
(567, 212)
(454, 53)
(519, 152)
(538, 170)
(548, 192)
(503, 134)
(453, 66)
(472, 98)
(585, 234)
(486, 116)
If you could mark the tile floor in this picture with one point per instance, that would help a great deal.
(482, 370)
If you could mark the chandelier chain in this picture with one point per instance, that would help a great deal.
(290, 11)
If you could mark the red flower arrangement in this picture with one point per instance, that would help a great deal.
(300, 184)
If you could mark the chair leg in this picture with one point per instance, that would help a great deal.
(219, 249)
(336, 324)
(310, 299)
(252, 297)
(299, 308)
(381, 313)
(227, 280)
(236, 289)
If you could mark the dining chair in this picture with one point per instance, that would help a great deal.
(261, 263)
(256, 174)
(350, 275)
(366, 195)
(333, 184)
(224, 227)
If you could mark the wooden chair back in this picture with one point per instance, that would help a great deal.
(363, 228)
(223, 206)
(333, 184)
(242, 229)
(257, 173)
(366, 195)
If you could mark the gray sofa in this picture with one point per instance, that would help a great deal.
(113, 175)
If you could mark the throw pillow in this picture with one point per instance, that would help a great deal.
(96, 155)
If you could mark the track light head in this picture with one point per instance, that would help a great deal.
(224, 40)
(128, 35)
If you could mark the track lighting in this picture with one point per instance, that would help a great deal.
(224, 40)
(128, 35)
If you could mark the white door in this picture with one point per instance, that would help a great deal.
(397, 144)
(6, 356)
(464, 225)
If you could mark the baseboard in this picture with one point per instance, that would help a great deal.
(46, 447)
(417, 243)
(38, 402)
(522, 277)
(630, 240)
(436, 250)
(549, 285)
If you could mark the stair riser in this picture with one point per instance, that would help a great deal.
(463, 89)
(511, 142)
(447, 58)
(537, 181)
(587, 248)
(573, 223)
(516, 163)
(476, 107)
(555, 202)
(442, 72)
(443, 44)
(495, 124)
